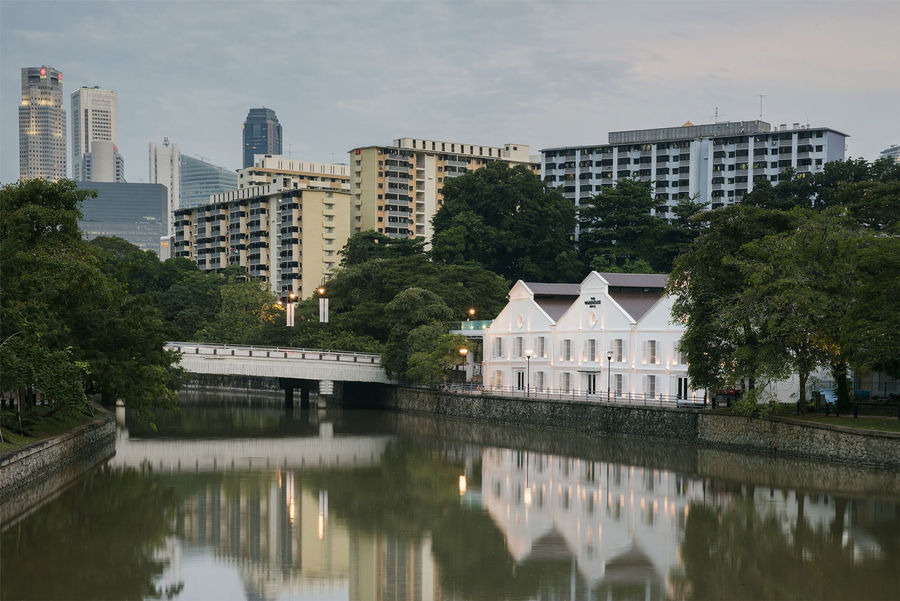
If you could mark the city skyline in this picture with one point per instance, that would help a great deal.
(539, 74)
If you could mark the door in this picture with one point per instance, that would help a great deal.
(520, 380)
(592, 383)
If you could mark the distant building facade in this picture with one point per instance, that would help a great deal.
(270, 169)
(397, 189)
(95, 119)
(165, 169)
(261, 134)
(135, 212)
(891, 152)
(200, 180)
(285, 235)
(42, 125)
(718, 163)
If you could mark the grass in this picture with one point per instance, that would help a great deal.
(863, 422)
(45, 428)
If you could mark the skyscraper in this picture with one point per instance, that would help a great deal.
(165, 169)
(42, 125)
(262, 134)
(199, 180)
(95, 118)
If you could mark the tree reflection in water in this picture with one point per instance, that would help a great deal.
(101, 538)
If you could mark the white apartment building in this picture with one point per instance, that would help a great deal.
(609, 336)
(165, 169)
(717, 163)
(95, 118)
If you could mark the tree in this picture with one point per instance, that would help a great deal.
(434, 353)
(368, 245)
(505, 219)
(249, 314)
(407, 311)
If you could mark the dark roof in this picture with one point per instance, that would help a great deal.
(636, 302)
(554, 307)
(636, 280)
(542, 289)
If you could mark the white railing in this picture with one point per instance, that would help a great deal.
(272, 352)
(601, 397)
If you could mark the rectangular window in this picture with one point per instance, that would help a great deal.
(592, 350)
(618, 384)
(650, 355)
(566, 382)
(539, 380)
(520, 346)
(541, 350)
(567, 349)
(498, 347)
(682, 388)
(498, 379)
(651, 386)
(618, 355)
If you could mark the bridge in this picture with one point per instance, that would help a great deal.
(294, 367)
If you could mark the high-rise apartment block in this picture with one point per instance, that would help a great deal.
(285, 232)
(42, 125)
(95, 136)
(397, 189)
(717, 163)
(272, 169)
(262, 134)
(165, 169)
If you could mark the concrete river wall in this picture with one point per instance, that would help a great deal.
(778, 436)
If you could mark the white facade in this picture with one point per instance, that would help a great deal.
(42, 125)
(718, 163)
(570, 330)
(95, 117)
(165, 169)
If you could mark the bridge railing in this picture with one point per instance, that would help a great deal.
(623, 398)
(272, 352)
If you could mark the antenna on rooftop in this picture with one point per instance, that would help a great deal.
(761, 96)
(716, 116)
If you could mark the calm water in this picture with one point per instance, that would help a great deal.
(235, 498)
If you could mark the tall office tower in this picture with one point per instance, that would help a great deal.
(165, 169)
(396, 190)
(42, 125)
(717, 163)
(200, 180)
(95, 118)
(262, 134)
(891, 152)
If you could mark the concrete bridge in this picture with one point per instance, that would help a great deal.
(294, 367)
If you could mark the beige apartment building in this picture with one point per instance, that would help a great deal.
(283, 232)
(397, 189)
(269, 169)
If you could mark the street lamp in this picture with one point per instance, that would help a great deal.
(528, 355)
(323, 311)
(470, 313)
(289, 309)
(609, 355)
(463, 352)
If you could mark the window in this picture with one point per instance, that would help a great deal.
(618, 384)
(591, 350)
(520, 380)
(618, 355)
(539, 380)
(565, 382)
(567, 349)
(650, 354)
(498, 347)
(651, 386)
(498, 379)
(682, 388)
(520, 346)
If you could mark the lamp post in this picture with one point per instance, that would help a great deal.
(528, 355)
(470, 313)
(289, 309)
(463, 352)
(609, 355)
(323, 312)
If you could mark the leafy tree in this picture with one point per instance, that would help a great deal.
(370, 244)
(433, 353)
(505, 219)
(407, 311)
(249, 314)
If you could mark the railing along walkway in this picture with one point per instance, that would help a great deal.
(277, 352)
(631, 399)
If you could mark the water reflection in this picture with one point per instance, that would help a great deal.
(372, 507)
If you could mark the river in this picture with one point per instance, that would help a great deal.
(234, 497)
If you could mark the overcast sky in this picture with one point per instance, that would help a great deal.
(346, 74)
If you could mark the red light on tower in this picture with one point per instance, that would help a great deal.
(59, 76)
(43, 71)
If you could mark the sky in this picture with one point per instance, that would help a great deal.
(342, 74)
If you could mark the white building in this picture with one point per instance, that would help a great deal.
(42, 125)
(165, 169)
(718, 163)
(95, 118)
(608, 336)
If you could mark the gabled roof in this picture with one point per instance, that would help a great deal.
(636, 280)
(542, 289)
(636, 293)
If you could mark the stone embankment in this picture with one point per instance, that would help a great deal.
(26, 466)
(779, 436)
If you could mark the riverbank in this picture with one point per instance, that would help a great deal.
(27, 465)
(775, 436)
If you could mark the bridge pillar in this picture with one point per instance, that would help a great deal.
(288, 396)
(304, 397)
(326, 389)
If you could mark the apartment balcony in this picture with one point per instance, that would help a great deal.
(743, 146)
(398, 180)
(452, 163)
